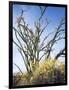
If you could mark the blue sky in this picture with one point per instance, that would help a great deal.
(53, 14)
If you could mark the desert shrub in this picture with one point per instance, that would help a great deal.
(16, 78)
(48, 72)
(23, 79)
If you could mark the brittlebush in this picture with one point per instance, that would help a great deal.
(48, 72)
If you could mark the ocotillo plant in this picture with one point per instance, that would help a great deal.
(29, 43)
